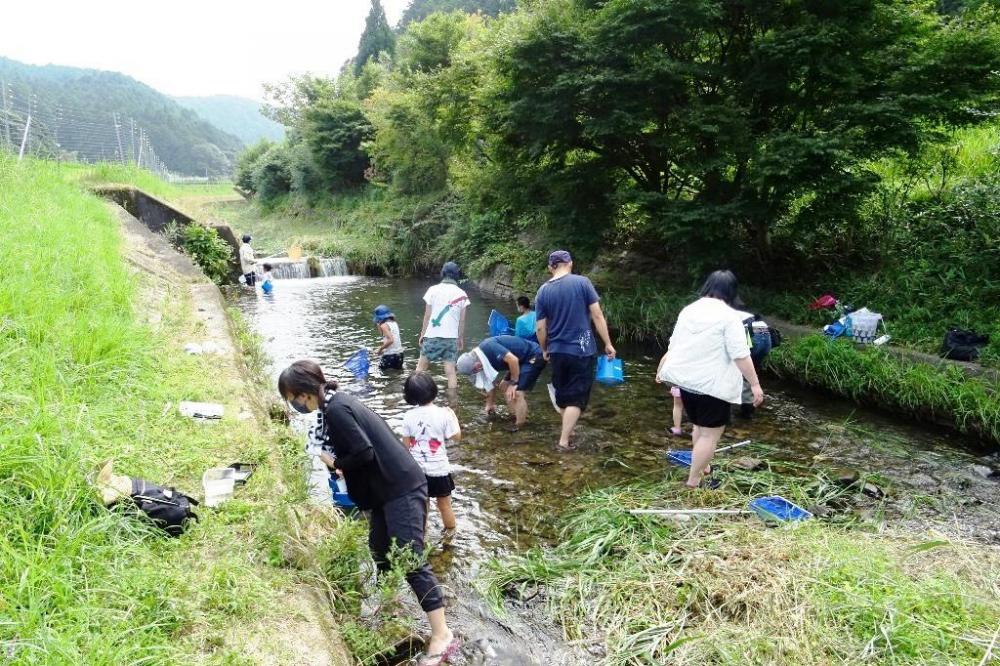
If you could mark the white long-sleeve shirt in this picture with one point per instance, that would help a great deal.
(708, 338)
(247, 258)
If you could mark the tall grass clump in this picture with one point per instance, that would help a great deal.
(876, 377)
(645, 590)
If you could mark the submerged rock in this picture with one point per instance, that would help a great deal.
(845, 476)
(747, 463)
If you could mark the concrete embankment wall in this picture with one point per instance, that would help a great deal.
(156, 214)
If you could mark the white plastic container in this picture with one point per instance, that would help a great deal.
(218, 483)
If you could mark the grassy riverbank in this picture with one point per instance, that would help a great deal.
(728, 590)
(93, 368)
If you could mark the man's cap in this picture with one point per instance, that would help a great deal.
(466, 364)
(451, 270)
(560, 257)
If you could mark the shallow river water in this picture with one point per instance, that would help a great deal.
(511, 488)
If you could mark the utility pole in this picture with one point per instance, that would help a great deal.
(24, 139)
(6, 117)
(118, 134)
(142, 143)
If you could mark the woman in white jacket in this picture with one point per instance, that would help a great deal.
(707, 355)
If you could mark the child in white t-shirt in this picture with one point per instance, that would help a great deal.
(426, 429)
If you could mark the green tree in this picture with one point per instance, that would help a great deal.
(335, 130)
(376, 39)
(418, 10)
(272, 176)
(246, 162)
(716, 119)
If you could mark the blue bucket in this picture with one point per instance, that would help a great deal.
(341, 499)
(499, 325)
(267, 287)
(680, 458)
(777, 509)
(610, 373)
(358, 364)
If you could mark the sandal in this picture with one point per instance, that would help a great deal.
(565, 449)
(442, 657)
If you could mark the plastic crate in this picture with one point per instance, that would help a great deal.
(777, 509)
(864, 326)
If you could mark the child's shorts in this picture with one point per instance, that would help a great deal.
(675, 391)
(391, 362)
(440, 486)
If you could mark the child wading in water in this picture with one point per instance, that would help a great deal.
(675, 393)
(426, 428)
(391, 351)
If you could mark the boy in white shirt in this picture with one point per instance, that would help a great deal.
(443, 332)
(426, 429)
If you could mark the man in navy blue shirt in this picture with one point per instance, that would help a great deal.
(521, 359)
(566, 306)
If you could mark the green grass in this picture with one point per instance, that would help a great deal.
(82, 378)
(731, 591)
(874, 376)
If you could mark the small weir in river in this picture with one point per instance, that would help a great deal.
(309, 267)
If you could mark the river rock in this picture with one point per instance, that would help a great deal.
(982, 471)
(923, 481)
(845, 476)
(872, 490)
(747, 463)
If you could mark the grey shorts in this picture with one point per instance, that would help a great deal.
(440, 349)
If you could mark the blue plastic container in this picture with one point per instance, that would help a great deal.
(777, 509)
(499, 325)
(680, 458)
(610, 373)
(358, 364)
(267, 287)
(343, 500)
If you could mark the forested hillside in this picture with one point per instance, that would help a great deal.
(238, 116)
(184, 142)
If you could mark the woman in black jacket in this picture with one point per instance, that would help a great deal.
(382, 478)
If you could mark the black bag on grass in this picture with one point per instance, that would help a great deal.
(167, 508)
(963, 345)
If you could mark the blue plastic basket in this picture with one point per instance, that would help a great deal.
(680, 458)
(610, 373)
(777, 509)
(343, 500)
(267, 287)
(499, 325)
(358, 364)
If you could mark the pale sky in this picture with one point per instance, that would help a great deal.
(190, 47)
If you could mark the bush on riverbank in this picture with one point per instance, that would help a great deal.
(731, 591)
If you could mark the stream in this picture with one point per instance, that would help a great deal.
(511, 488)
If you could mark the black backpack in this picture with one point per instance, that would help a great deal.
(962, 345)
(167, 508)
(776, 337)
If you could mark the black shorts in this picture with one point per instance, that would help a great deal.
(704, 410)
(391, 362)
(440, 486)
(251, 278)
(530, 372)
(572, 377)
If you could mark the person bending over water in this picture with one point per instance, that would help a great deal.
(390, 352)
(383, 479)
(522, 359)
(707, 353)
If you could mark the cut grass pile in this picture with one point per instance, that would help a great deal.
(647, 590)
